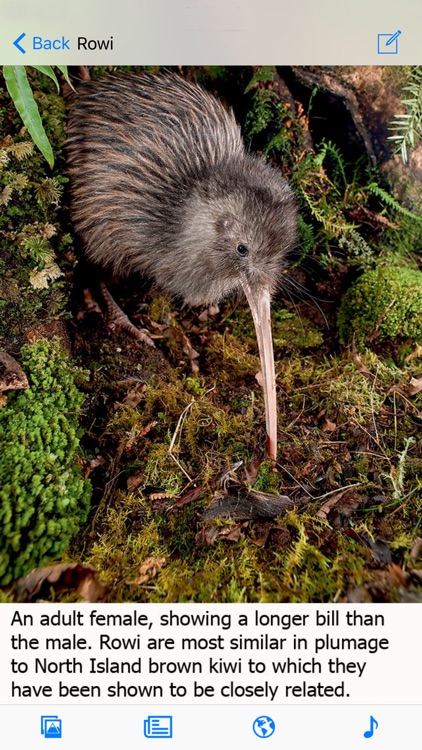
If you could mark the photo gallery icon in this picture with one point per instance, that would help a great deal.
(51, 727)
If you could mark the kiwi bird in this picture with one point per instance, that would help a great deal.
(161, 184)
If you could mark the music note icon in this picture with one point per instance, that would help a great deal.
(370, 732)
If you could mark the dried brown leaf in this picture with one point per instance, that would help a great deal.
(91, 305)
(398, 576)
(189, 497)
(259, 378)
(134, 395)
(207, 535)
(210, 312)
(89, 466)
(329, 505)
(148, 570)
(412, 388)
(171, 332)
(212, 533)
(241, 503)
(62, 577)
(360, 366)
(261, 533)
(379, 548)
(134, 482)
(329, 426)
(343, 504)
(416, 549)
(415, 386)
(233, 534)
(12, 377)
(415, 354)
(252, 470)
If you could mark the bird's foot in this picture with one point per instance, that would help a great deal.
(117, 320)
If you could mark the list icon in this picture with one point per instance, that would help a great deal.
(158, 726)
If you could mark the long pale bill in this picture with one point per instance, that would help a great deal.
(260, 304)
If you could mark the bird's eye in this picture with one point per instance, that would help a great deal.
(242, 250)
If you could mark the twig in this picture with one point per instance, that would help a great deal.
(395, 420)
(372, 438)
(339, 489)
(178, 429)
(294, 479)
(372, 406)
(298, 415)
(375, 331)
(372, 453)
(179, 425)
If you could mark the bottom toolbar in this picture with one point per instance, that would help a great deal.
(177, 727)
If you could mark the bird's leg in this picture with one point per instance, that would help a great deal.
(117, 320)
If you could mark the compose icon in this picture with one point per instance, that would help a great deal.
(51, 726)
(388, 44)
(158, 726)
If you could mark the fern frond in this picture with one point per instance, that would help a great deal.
(265, 74)
(409, 124)
(6, 195)
(332, 220)
(329, 149)
(360, 253)
(21, 150)
(296, 556)
(38, 248)
(41, 279)
(48, 230)
(385, 197)
(320, 156)
(265, 104)
(4, 158)
(16, 181)
(307, 241)
(49, 191)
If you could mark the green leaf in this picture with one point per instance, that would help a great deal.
(23, 99)
(384, 196)
(48, 71)
(63, 71)
(264, 74)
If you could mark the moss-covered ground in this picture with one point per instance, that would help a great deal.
(160, 427)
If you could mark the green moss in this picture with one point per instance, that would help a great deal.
(302, 570)
(349, 394)
(43, 497)
(383, 304)
(291, 332)
(267, 479)
(161, 471)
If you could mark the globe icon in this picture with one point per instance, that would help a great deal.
(264, 727)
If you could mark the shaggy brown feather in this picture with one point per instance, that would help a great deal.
(162, 184)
